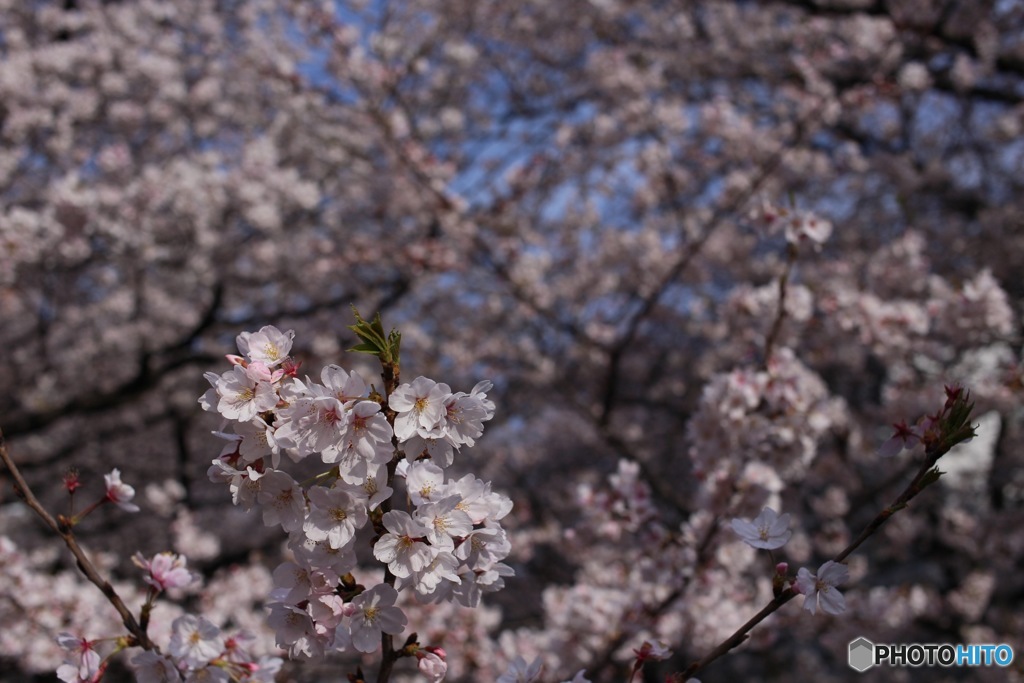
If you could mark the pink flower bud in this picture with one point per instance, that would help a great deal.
(291, 367)
(431, 663)
(656, 651)
(71, 481)
(120, 493)
(166, 570)
(259, 372)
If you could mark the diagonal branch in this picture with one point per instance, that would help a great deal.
(85, 565)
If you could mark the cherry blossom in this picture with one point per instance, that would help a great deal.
(420, 407)
(655, 651)
(118, 492)
(243, 395)
(150, 667)
(400, 548)
(84, 666)
(334, 516)
(425, 482)
(373, 612)
(165, 570)
(705, 253)
(904, 437)
(444, 521)
(431, 663)
(769, 530)
(520, 672)
(819, 589)
(282, 499)
(268, 345)
(195, 641)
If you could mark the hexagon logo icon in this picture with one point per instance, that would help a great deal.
(862, 654)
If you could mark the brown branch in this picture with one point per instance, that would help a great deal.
(780, 315)
(916, 485)
(147, 376)
(62, 529)
(740, 635)
(703, 550)
(391, 374)
(688, 253)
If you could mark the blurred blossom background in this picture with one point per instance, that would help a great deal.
(602, 206)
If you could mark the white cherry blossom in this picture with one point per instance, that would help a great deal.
(195, 640)
(334, 516)
(769, 530)
(819, 589)
(269, 345)
(420, 407)
(400, 548)
(373, 612)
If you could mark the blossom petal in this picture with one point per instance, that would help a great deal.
(832, 601)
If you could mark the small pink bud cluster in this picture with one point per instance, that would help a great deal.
(942, 429)
(116, 492)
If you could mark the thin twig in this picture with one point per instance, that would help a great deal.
(913, 488)
(780, 315)
(87, 568)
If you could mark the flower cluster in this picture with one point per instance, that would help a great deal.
(568, 209)
(940, 430)
(798, 225)
(196, 650)
(779, 413)
(200, 650)
(449, 544)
